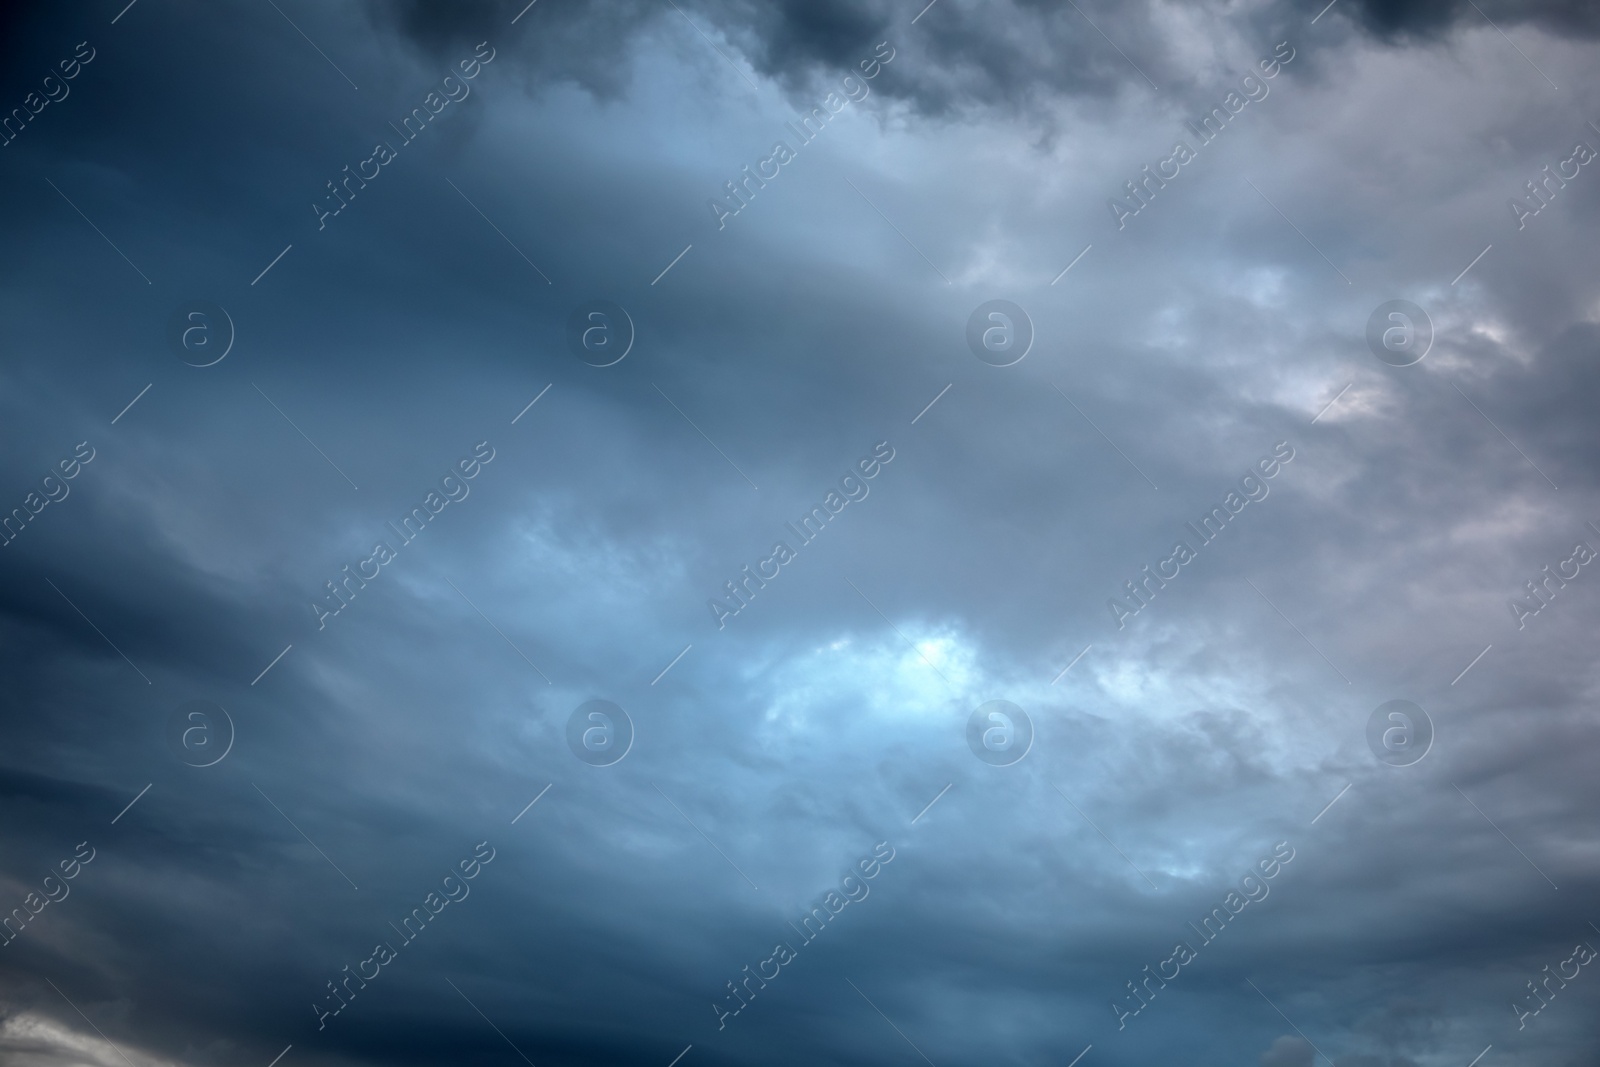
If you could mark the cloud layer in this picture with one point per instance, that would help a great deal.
(397, 223)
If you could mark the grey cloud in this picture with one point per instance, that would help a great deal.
(1288, 1051)
(814, 725)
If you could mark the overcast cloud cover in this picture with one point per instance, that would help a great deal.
(239, 824)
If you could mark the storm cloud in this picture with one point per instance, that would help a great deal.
(504, 563)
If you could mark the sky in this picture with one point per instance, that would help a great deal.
(717, 532)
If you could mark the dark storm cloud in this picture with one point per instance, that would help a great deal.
(1019, 52)
(972, 57)
(1390, 19)
(969, 57)
(413, 725)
